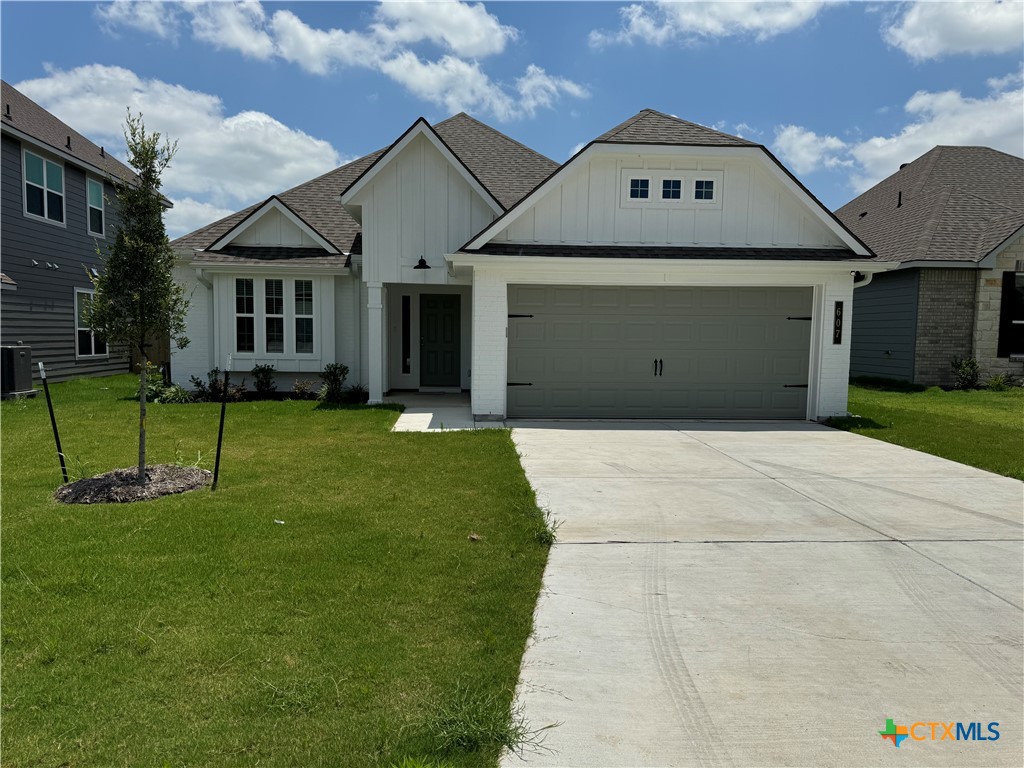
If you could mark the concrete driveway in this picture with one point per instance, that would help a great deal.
(765, 594)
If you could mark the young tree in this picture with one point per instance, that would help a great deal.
(136, 297)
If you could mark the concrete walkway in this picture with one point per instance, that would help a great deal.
(767, 595)
(429, 412)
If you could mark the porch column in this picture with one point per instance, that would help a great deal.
(490, 345)
(375, 341)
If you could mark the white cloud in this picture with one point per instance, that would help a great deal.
(930, 30)
(317, 50)
(689, 21)
(467, 32)
(237, 26)
(188, 215)
(946, 117)
(934, 118)
(155, 18)
(805, 151)
(223, 161)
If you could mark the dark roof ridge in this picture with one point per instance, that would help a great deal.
(103, 161)
(495, 130)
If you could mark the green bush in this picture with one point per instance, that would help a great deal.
(175, 394)
(966, 373)
(154, 383)
(333, 389)
(304, 388)
(263, 380)
(999, 383)
(213, 388)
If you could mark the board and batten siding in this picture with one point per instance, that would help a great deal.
(40, 312)
(274, 229)
(418, 205)
(885, 326)
(588, 207)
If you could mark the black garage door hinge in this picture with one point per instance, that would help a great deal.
(511, 316)
(799, 318)
(520, 384)
(795, 386)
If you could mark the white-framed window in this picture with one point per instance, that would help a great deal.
(96, 210)
(43, 188)
(245, 315)
(87, 343)
(304, 317)
(639, 188)
(704, 190)
(273, 316)
(273, 292)
(671, 188)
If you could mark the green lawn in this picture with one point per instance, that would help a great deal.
(195, 631)
(981, 428)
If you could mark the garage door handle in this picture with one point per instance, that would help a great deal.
(661, 367)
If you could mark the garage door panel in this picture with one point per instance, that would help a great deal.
(725, 352)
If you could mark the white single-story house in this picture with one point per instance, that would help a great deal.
(666, 270)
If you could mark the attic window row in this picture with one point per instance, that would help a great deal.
(671, 188)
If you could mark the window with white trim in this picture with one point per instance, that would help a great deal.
(303, 317)
(274, 319)
(671, 189)
(639, 189)
(87, 343)
(44, 188)
(245, 315)
(94, 202)
(704, 190)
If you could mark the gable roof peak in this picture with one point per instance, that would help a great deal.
(649, 126)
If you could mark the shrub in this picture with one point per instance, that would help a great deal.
(333, 389)
(304, 388)
(213, 388)
(356, 394)
(999, 383)
(966, 373)
(263, 379)
(175, 394)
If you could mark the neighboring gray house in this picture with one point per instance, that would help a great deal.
(954, 220)
(57, 212)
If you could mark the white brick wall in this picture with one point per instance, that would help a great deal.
(834, 359)
(490, 342)
(986, 317)
(196, 358)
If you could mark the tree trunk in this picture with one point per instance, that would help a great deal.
(143, 370)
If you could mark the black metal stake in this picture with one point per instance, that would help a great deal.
(53, 423)
(220, 432)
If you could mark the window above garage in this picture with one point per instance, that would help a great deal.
(671, 189)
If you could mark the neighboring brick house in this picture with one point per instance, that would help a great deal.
(58, 218)
(954, 220)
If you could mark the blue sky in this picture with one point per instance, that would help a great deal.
(262, 96)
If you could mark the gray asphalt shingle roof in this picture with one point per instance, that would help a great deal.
(23, 114)
(651, 127)
(951, 204)
(505, 167)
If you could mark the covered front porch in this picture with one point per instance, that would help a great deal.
(418, 339)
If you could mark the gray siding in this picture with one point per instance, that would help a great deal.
(40, 312)
(885, 326)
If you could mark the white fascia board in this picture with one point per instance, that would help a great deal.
(275, 204)
(605, 271)
(421, 128)
(277, 266)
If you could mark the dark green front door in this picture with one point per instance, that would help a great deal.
(440, 342)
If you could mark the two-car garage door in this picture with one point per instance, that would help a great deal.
(638, 352)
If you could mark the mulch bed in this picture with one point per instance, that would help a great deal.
(119, 486)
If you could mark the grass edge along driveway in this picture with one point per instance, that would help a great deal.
(981, 428)
(364, 628)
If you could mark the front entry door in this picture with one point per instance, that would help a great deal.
(440, 340)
